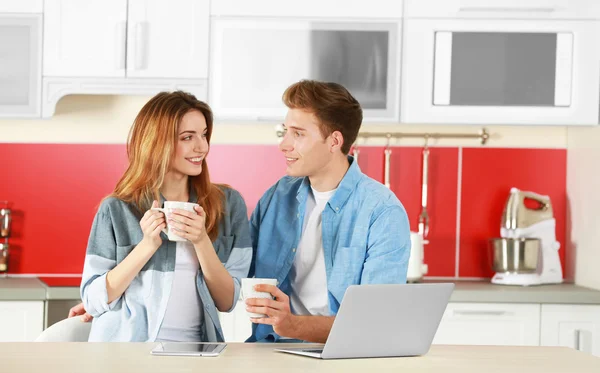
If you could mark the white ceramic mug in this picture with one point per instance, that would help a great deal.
(249, 292)
(169, 206)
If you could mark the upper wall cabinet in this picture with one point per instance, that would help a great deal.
(308, 8)
(258, 50)
(124, 47)
(135, 38)
(501, 62)
(85, 38)
(167, 38)
(20, 59)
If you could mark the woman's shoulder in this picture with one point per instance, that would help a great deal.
(229, 192)
(233, 198)
(113, 206)
(110, 203)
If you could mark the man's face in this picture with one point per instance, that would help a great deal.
(306, 151)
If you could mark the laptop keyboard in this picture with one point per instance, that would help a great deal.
(317, 351)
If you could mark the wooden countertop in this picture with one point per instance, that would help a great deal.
(260, 358)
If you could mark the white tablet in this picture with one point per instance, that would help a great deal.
(188, 349)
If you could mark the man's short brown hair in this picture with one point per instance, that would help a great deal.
(332, 104)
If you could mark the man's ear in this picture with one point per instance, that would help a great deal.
(337, 141)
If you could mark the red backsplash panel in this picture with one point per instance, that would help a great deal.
(61, 281)
(55, 190)
(487, 176)
(251, 169)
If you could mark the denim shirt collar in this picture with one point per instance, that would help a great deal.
(192, 192)
(344, 189)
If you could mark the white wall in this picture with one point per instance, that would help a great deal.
(583, 191)
(106, 119)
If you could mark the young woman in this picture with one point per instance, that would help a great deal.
(138, 285)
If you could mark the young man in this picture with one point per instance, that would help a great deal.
(325, 225)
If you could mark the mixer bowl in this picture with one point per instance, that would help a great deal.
(515, 255)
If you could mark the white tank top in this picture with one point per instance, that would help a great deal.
(184, 315)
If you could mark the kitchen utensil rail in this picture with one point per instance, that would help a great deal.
(483, 135)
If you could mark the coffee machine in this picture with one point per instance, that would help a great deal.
(527, 252)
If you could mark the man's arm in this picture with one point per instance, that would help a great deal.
(388, 248)
(285, 324)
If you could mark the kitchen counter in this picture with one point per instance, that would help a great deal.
(260, 358)
(465, 291)
(31, 289)
(486, 292)
(21, 289)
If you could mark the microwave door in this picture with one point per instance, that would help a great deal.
(503, 69)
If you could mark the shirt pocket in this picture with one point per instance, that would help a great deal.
(223, 246)
(141, 285)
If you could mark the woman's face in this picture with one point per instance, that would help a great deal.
(192, 145)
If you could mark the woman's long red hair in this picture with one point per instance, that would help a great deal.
(150, 149)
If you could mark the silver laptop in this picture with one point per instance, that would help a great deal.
(384, 321)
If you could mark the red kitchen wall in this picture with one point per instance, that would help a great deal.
(55, 190)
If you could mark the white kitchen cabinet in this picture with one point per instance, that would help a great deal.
(168, 39)
(20, 64)
(254, 59)
(21, 321)
(502, 9)
(501, 62)
(236, 324)
(490, 324)
(22, 6)
(309, 8)
(575, 326)
(126, 38)
(124, 47)
(85, 38)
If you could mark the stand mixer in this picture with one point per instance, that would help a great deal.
(527, 253)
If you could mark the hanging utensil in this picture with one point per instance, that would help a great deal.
(5, 219)
(355, 151)
(424, 216)
(388, 154)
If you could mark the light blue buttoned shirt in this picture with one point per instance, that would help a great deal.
(365, 234)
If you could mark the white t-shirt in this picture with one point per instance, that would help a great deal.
(308, 278)
(184, 314)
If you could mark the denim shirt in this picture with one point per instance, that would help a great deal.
(136, 315)
(365, 236)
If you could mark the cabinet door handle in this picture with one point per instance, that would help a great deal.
(120, 35)
(141, 49)
(578, 343)
(480, 313)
